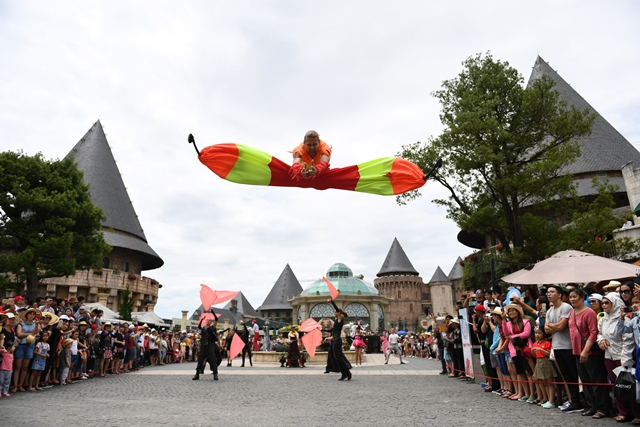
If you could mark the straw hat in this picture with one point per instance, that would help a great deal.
(515, 307)
(67, 342)
(455, 320)
(498, 311)
(612, 286)
(52, 318)
(23, 313)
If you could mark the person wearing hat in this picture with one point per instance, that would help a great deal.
(26, 331)
(457, 355)
(498, 356)
(612, 286)
(595, 303)
(556, 324)
(518, 327)
(209, 346)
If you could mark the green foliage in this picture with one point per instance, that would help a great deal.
(126, 304)
(504, 147)
(48, 224)
(476, 273)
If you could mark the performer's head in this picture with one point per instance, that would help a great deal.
(312, 142)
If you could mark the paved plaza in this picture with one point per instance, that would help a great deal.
(266, 395)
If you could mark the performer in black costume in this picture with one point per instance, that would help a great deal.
(336, 345)
(209, 347)
(244, 335)
(327, 332)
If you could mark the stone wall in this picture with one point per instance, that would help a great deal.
(405, 293)
(631, 176)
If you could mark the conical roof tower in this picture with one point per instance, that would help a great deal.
(286, 287)
(397, 262)
(604, 150)
(121, 228)
(242, 304)
(439, 276)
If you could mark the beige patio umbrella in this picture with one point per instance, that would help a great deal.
(572, 266)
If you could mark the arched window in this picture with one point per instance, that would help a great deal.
(105, 262)
(355, 309)
(321, 310)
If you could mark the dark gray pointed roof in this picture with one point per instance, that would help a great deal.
(222, 313)
(286, 287)
(605, 149)
(244, 306)
(95, 159)
(397, 262)
(439, 276)
(456, 270)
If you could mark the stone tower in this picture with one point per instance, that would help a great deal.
(399, 281)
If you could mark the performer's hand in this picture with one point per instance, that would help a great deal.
(295, 171)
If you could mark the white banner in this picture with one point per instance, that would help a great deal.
(467, 330)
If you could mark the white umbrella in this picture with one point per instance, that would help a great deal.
(572, 266)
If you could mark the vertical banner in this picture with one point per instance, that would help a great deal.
(466, 342)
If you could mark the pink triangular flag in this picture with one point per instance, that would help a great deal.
(236, 346)
(311, 340)
(206, 296)
(209, 297)
(332, 289)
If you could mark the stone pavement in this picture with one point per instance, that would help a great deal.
(262, 395)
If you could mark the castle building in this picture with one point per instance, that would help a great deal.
(603, 153)
(131, 254)
(402, 284)
(360, 300)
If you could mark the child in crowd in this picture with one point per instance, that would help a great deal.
(545, 371)
(65, 361)
(527, 364)
(40, 356)
(6, 367)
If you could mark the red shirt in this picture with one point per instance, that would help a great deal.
(544, 345)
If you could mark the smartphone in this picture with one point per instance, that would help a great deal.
(544, 307)
(628, 309)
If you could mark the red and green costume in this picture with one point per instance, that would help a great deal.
(242, 164)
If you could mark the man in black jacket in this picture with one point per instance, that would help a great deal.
(209, 348)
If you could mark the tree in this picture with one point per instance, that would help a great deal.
(48, 225)
(126, 304)
(504, 147)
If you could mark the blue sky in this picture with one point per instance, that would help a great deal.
(263, 73)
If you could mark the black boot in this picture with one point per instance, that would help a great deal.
(215, 376)
(343, 377)
(196, 376)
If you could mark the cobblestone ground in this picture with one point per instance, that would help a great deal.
(378, 394)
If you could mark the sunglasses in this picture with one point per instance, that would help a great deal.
(626, 291)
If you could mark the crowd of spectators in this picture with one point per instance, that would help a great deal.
(50, 341)
(558, 347)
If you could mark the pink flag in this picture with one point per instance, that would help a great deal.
(210, 297)
(332, 289)
(236, 346)
(311, 340)
(309, 325)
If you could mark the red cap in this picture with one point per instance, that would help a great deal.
(480, 307)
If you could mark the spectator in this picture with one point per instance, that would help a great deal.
(556, 325)
(545, 371)
(626, 293)
(26, 332)
(40, 353)
(618, 347)
(518, 327)
(583, 328)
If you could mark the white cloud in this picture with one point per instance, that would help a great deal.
(360, 73)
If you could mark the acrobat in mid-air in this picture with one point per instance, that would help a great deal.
(242, 164)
